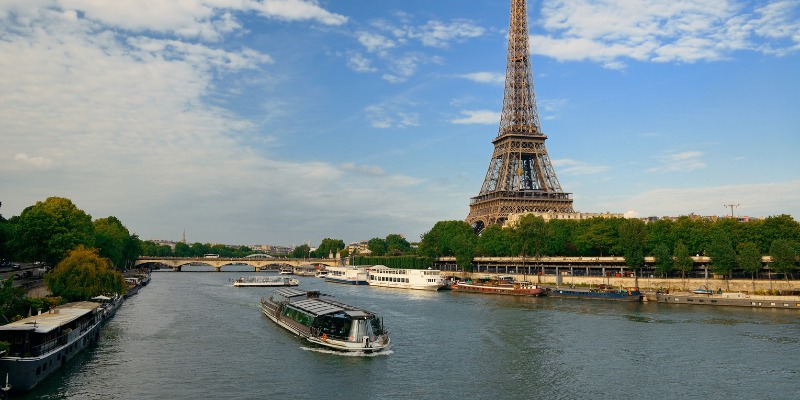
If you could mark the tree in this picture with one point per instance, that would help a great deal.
(529, 236)
(631, 240)
(301, 251)
(450, 238)
(723, 257)
(397, 245)
(377, 246)
(749, 258)
(83, 274)
(495, 241)
(784, 257)
(683, 260)
(182, 250)
(10, 300)
(664, 263)
(47, 231)
(329, 246)
(110, 238)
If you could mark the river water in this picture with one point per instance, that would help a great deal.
(191, 335)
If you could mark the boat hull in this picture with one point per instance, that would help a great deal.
(346, 281)
(731, 299)
(632, 296)
(499, 289)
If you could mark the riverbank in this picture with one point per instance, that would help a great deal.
(648, 283)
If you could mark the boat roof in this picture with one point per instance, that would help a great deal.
(53, 319)
(318, 307)
(291, 292)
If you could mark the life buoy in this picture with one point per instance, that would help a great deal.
(324, 337)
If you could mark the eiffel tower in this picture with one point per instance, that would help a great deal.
(521, 177)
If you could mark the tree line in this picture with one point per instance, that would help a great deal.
(730, 244)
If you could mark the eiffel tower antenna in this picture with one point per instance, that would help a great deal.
(521, 177)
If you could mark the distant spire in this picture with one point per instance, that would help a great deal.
(183, 238)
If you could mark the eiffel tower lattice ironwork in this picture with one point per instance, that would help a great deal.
(521, 177)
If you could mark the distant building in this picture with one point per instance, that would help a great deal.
(513, 219)
(359, 248)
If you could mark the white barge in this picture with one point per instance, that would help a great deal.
(347, 274)
(326, 322)
(41, 344)
(421, 279)
(264, 281)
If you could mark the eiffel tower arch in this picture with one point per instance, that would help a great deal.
(520, 177)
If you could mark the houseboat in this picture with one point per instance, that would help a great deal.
(422, 279)
(264, 281)
(347, 274)
(499, 286)
(600, 293)
(41, 344)
(325, 322)
(730, 299)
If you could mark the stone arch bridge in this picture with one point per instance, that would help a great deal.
(177, 263)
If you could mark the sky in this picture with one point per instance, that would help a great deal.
(288, 121)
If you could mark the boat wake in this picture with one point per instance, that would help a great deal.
(385, 352)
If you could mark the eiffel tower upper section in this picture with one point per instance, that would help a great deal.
(521, 177)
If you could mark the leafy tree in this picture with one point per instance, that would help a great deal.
(495, 241)
(778, 227)
(664, 263)
(599, 236)
(377, 246)
(784, 257)
(529, 235)
(10, 299)
(631, 239)
(111, 238)
(562, 237)
(450, 238)
(328, 246)
(47, 230)
(82, 275)
(723, 257)
(182, 250)
(660, 232)
(748, 258)
(301, 251)
(683, 260)
(397, 245)
(5, 237)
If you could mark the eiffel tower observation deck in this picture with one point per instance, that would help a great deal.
(521, 177)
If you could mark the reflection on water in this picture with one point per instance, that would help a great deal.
(191, 335)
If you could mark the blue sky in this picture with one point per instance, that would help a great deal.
(286, 121)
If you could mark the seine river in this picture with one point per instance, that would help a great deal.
(193, 336)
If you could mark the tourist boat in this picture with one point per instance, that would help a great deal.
(41, 344)
(286, 271)
(730, 299)
(321, 273)
(423, 279)
(261, 281)
(602, 293)
(347, 274)
(499, 286)
(325, 322)
(305, 270)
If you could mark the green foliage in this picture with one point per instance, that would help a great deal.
(11, 298)
(529, 236)
(784, 257)
(723, 257)
(450, 238)
(408, 262)
(397, 245)
(113, 241)
(329, 246)
(377, 246)
(301, 251)
(748, 257)
(82, 275)
(631, 240)
(682, 258)
(495, 241)
(48, 230)
(663, 256)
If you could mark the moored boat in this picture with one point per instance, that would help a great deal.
(628, 294)
(264, 281)
(347, 274)
(499, 286)
(421, 279)
(326, 322)
(286, 271)
(41, 344)
(730, 299)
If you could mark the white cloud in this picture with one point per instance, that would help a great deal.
(680, 162)
(357, 62)
(573, 167)
(375, 42)
(478, 117)
(610, 31)
(497, 78)
(440, 34)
